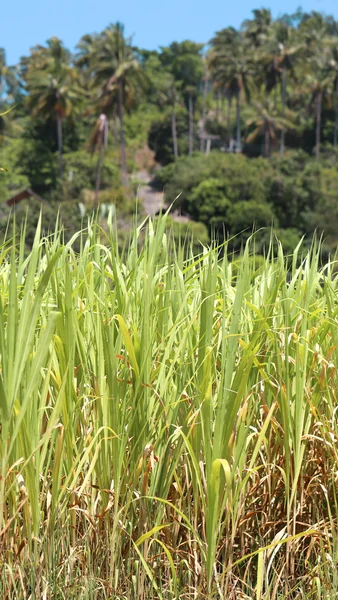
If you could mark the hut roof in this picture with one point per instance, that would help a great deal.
(204, 135)
(23, 195)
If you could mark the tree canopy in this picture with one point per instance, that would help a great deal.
(257, 100)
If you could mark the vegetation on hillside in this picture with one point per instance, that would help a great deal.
(263, 99)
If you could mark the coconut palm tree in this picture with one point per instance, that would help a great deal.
(169, 95)
(85, 50)
(278, 57)
(97, 143)
(315, 31)
(333, 68)
(204, 102)
(184, 61)
(233, 70)
(53, 88)
(6, 75)
(5, 79)
(8, 88)
(266, 123)
(192, 92)
(256, 31)
(116, 74)
(320, 86)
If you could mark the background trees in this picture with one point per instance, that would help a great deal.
(184, 62)
(232, 68)
(53, 87)
(265, 89)
(114, 70)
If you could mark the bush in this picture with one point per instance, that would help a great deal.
(80, 170)
(246, 215)
(124, 204)
(188, 233)
(11, 179)
(234, 193)
(208, 201)
(242, 179)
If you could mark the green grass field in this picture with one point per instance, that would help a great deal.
(168, 422)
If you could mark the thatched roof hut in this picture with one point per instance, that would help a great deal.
(24, 195)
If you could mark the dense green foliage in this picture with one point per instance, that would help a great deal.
(168, 425)
(230, 193)
(263, 98)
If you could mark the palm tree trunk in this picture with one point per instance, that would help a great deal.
(124, 172)
(335, 135)
(115, 129)
(266, 141)
(191, 124)
(229, 118)
(282, 137)
(204, 109)
(318, 122)
(174, 133)
(59, 139)
(98, 174)
(217, 105)
(223, 111)
(238, 122)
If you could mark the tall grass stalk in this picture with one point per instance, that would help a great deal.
(168, 421)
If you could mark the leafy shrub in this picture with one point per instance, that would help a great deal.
(188, 233)
(119, 196)
(208, 201)
(234, 193)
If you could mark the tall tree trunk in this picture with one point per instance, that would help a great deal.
(266, 141)
(238, 123)
(229, 119)
(223, 111)
(204, 109)
(335, 135)
(59, 139)
(217, 105)
(282, 137)
(318, 122)
(98, 174)
(174, 133)
(191, 124)
(115, 129)
(123, 156)
(275, 66)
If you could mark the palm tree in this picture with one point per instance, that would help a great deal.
(53, 89)
(257, 30)
(184, 61)
(320, 85)
(97, 142)
(233, 70)
(5, 75)
(7, 78)
(191, 91)
(333, 67)
(315, 31)
(116, 73)
(281, 51)
(267, 122)
(204, 104)
(169, 95)
(9, 84)
(85, 50)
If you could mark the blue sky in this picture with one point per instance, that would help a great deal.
(25, 23)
